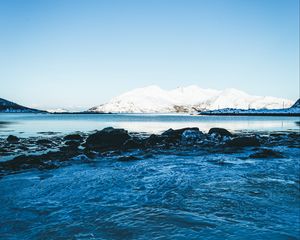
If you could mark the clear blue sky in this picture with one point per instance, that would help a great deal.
(68, 53)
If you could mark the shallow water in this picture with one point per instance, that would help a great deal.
(177, 193)
(187, 195)
(31, 124)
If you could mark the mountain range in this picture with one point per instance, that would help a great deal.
(191, 99)
(153, 99)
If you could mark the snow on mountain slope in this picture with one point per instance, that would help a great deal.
(294, 110)
(153, 99)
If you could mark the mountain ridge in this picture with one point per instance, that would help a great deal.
(153, 99)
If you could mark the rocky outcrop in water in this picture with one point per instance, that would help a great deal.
(107, 139)
(220, 131)
(12, 139)
(55, 151)
(251, 141)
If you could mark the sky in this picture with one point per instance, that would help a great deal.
(76, 54)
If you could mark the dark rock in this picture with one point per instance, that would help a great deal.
(171, 132)
(243, 142)
(168, 132)
(132, 144)
(295, 136)
(266, 153)
(72, 143)
(155, 139)
(108, 138)
(175, 135)
(220, 131)
(44, 141)
(4, 152)
(23, 148)
(12, 139)
(22, 161)
(191, 136)
(69, 149)
(89, 153)
(44, 161)
(77, 137)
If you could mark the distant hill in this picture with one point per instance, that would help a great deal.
(11, 107)
(296, 104)
(294, 110)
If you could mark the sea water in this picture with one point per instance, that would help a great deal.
(32, 124)
(164, 196)
(173, 195)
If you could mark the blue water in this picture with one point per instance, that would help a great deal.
(173, 196)
(31, 124)
(168, 195)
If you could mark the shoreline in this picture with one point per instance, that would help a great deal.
(253, 114)
(174, 114)
(48, 152)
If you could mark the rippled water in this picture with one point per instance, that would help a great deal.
(31, 124)
(168, 195)
(185, 195)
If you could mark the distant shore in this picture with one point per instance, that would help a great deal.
(78, 113)
(251, 114)
(205, 113)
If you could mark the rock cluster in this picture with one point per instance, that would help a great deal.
(107, 139)
(51, 152)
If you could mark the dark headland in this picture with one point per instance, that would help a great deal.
(11, 107)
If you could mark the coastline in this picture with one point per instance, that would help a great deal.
(251, 114)
(48, 151)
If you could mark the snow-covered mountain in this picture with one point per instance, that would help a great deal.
(153, 99)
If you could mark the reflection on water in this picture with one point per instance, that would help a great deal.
(4, 124)
(31, 124)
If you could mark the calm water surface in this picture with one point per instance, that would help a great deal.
(31, 124)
